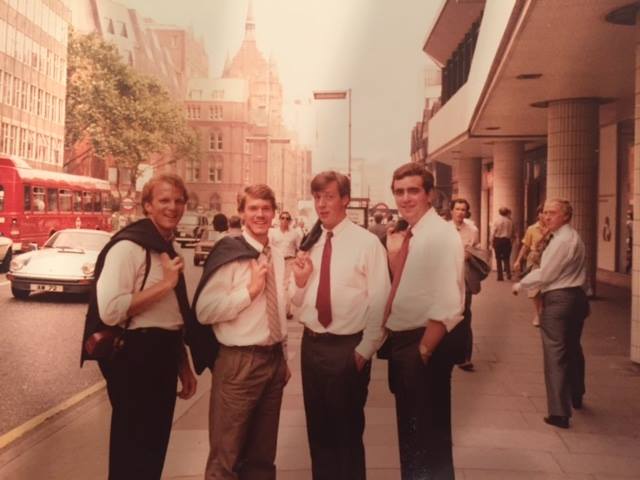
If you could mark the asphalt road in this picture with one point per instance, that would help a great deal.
(40, 350)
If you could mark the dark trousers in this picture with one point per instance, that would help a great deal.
(466, 325)
(141, 383)
(502, 248)
(334, 397)
(244, 413)
(423, 408)
(563, 314)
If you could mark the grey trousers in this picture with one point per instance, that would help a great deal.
(563, 314)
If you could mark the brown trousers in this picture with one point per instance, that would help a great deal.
(246, 395)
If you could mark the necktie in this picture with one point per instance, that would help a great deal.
(273, 319)
(323, 298)
(401, 259)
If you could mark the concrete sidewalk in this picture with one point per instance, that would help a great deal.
(498, 410)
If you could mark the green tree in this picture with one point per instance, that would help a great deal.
(118, 113)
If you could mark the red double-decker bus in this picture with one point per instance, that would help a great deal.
(36, 203)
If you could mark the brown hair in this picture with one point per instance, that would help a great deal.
(323, 179)
(413, 169)
(259, 191)
(170, 178)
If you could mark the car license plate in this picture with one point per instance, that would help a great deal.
(37, 287)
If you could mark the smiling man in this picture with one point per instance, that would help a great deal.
(241, 294)
(342, 282)
(426, 302)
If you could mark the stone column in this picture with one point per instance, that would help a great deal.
(572, 166)
(469, 176)
(508, 184)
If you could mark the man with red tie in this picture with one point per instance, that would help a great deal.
(426, 302)
(342, 283)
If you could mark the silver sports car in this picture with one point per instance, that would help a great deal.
(64, 264)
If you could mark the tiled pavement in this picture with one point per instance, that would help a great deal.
(498, 410)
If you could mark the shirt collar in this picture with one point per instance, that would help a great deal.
(253, 242)
(424, 220)
(339, 227)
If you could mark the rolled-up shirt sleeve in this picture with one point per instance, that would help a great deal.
(118, 280)
(223, 297)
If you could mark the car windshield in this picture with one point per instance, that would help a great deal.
(78, 240)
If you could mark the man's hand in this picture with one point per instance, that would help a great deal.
(302, 268)
(187, 380)
(171, 269)
(258, 278)
(425, 352)
(515, 289)
(517, 266)
(360, 361)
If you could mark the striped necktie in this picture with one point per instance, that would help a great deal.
(271, 293)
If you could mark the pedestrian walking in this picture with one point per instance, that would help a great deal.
(424, 307)
(241, 296)
(562, 280)
(501, 238)
(342, 282)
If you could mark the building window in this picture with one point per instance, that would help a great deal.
(216, 166)
(193, 170)
(122, 29)
(8, 84)
(109, 23)
(215, 141)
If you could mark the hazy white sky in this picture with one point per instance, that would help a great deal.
(373, 47)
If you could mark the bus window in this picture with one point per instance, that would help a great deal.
(77, 201)
(97, 202)
(1, 198)
(27, 198)
(38, 199)
(64, 199)
(87, 201)
(106, 202)
(52, 200)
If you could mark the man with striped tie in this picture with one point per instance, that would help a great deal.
(241, 295)
(422, 311)
(342, 283)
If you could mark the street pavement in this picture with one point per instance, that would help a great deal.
(498, 410)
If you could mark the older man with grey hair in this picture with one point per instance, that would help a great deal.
(562, 280)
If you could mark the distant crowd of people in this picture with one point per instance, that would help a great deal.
(402, 289)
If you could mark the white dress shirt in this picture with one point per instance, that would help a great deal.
(468, 233)
(224, 302)
(502, 227)
(562, 265)
(287, 242)
(432, 282)
(121, 277)
(359, 286)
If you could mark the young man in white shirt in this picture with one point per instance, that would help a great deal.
(562, 281)
(243, 300)
(287, 240)
(342, 282)
(426, 302)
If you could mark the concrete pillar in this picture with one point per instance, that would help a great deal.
(469, 176)
(635, 273)
(572, 166)
(484, 210)
(508, 184)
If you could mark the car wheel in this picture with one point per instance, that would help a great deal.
(19, 294)
(4, 266)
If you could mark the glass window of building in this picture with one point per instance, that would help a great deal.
(3, 36)
(216, 167)
(109, 24)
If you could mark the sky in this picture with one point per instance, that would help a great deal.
(373, 47)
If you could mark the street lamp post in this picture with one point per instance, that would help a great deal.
(338, 95)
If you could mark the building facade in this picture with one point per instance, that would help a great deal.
(33, 76)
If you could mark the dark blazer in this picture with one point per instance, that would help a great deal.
(476, 268)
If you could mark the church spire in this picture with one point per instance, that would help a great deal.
(250, 23)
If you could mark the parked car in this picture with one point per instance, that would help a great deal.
(188, 230)
(208, 238)
(6, 253)
(65, 263)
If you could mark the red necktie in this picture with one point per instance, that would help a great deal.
(323, 298)
(401, 259)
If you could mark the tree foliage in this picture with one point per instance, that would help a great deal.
(121, 113)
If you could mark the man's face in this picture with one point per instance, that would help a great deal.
(166, 207)
(554, 216)
(330, 206)
(257, 215)
(411, 199)
(459, 212)
(285, 221)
